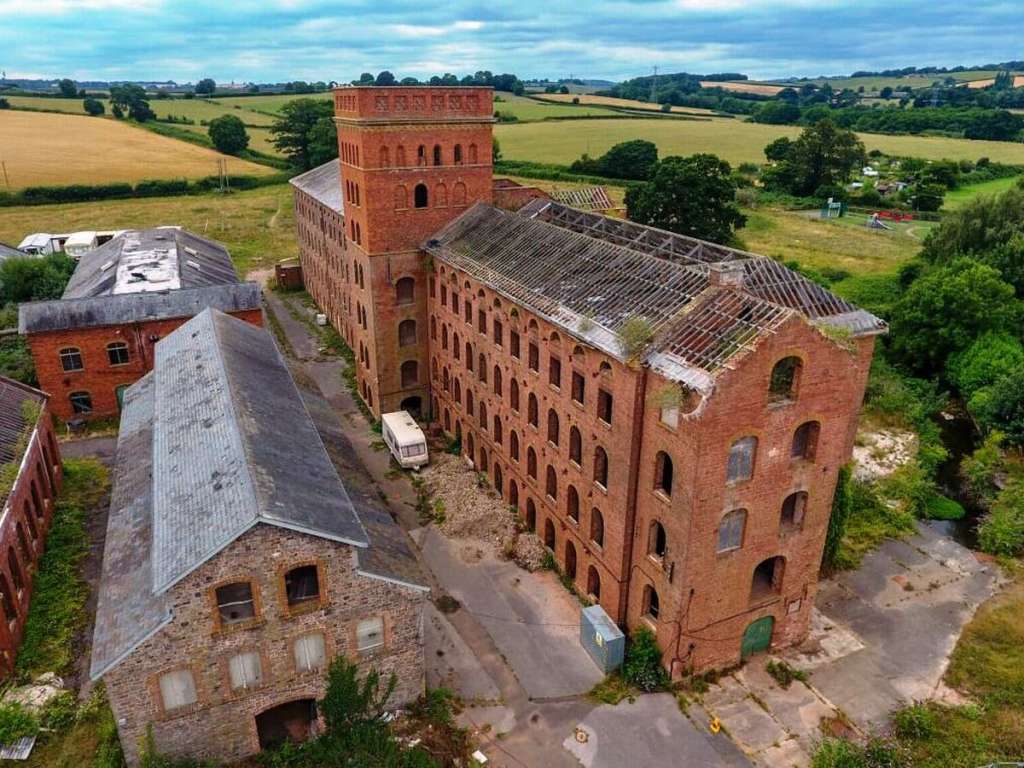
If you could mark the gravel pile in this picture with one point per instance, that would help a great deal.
(465, 506)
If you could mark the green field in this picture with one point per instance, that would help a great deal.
(957, 197)
(733, 140)
(194, 109)
(259, 138)
(257, 226)
(875, 84)
(271, 102)
(526, 110)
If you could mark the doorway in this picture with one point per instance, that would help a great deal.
(757, 637)
(292, 721)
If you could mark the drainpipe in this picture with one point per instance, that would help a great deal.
(640, 393)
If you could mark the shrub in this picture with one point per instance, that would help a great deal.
(940, 507)
(914, 722)
(1001, 531)
(987, 359)
(784, 674)
(642, 667)
(979, 470)
(16, 722)
(1001, 406)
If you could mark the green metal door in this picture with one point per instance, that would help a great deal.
(758, 637)
(120, 396)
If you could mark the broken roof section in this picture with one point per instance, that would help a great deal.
(695, 305)
(151, 260)
(323, 183)
(201, 459)
(15, 430)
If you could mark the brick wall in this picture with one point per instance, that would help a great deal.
(221, 725)
(99, 377)
(705, 595)
(27, 513)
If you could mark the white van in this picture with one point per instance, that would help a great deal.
(80, 243)
(404, 439)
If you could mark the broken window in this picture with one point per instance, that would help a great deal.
(498, 331)
(551, 484)
(513, 446)
(245, 671)
(405, 291)
(784, 380)
(575, 446)
(117, 353)
(235, 602)
(597, 527)
(651, 604)
(534, 357)
(572, 503)
(578, 386)
(370, 634)
(805, 441)
(555, 372)
(532, 415)
(302, 585)
(513, 394)
(793, 510)
(71, 359)
(81, 402)
(601, 467)
(513, 344)
(309, 653)
(604, 406)
(663, 473)
(657, 541)
(177, 690)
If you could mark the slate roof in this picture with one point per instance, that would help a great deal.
(323, 183)
(161, 258)
(703, 304)
(63, 314)
(202, 457)
(10, 252)
(13, 396)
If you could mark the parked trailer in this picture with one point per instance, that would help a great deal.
(404, 439)
(42, 244)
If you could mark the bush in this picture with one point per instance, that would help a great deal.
(784, 674)
(939, 507)
(16, 722)
(979, 470)
(1001, 531)
(1001, 406)
(990, 357)
(642, 667)
(840, 753)
(228, 134)
(915, 722)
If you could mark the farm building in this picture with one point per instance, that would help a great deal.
(98, 338)
(670, 415)
(10, 252)
(28, 447)
(230, 580)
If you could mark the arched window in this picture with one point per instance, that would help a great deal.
(531, 411)
(593, 584)
(663, 473)
(657, 540)
(445, 379)
(410, 373)
(457, 392)
(552, 426)
(459, 193)
(469, 401)
(793, 509)
(470, 446)
(469, 356)
(572, 503)
(15, 568)
(481, 367)
(601, 467)
(447, 420)
(551, 484)
(513, 494)
(482, 465)
(458, 154)
(498, 479)
(549, 534)
(597, 527)
(742, 454)
(27, 511)
(437, 154)
(497, 381)
(10, 612)
(483, 415)
(71, 359)
(531, 515)
(473, 154)
(406, 333)
(419, 194)
(26, 550)
(433, 328)
(785, 380)
(440, 195)
(385, 159)
(513, 394)
(497, 432)
(575, 446)
(513, 445)
(405, 290)
(531, 463)
(651, 605)
(805, 441)
(570, 560)
(444, 335)
(455, 346)
(421, 155)
(730, 530)
(767, 579)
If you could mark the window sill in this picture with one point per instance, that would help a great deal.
(774, 405)
(606, 424)
(578, 403)
(661, 496)
(601, 488)
(555, 388)
(293, 611)
(239, 626)
(651, 622)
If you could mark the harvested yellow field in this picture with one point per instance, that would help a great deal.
(611, 101)
(1018, 82)
(741, 86)
(43, 149)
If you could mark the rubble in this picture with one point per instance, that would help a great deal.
(880, 453)
(464, 506)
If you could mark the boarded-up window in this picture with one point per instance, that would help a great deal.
(309, 653)
(741, 459)
(370, 634)
(245, 671)
(730, 530)
(177, 690)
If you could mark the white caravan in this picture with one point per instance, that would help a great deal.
(404, 439)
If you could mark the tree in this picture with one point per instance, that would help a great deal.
(946, 309)
(822, 156)
(1001, 531)
(228, 134)
(323, 142)
(68, 89)
(206, 86)
(627, 160)
(778, 149)
(130, 98)
(777, 113)
(93, 107)
(928, 197)
(1001, 406)
(364, 79)
(693, 196)
(293, 131)
(885, 93)
(989, 358)
(32, 279)
(4, 103)
(385, 78)
(495, 151)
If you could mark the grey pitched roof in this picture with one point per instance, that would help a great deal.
(60, 314)
(233, 446)
(323, 183)
(13, 427)
(202, 457)
(162, 258)
(703, 304)
(127, 611)
(10, 252)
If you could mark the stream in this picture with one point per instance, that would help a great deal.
(960, 439)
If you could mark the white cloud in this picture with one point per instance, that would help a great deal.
(469, 25)
(414, 31)
(55, 7)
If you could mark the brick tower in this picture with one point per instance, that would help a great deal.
(412, 159)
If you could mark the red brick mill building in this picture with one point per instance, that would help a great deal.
(669, 415)
(95, 341)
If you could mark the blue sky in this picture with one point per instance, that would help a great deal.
(271, 40)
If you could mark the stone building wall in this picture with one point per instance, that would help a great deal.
(26, 518)
(99, 377)
(221, 725)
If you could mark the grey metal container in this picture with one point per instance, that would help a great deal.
(602, 638)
